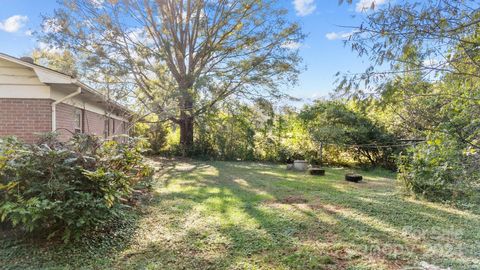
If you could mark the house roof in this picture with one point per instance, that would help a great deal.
(51, 76)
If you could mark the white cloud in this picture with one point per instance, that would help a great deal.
(13, 24)
(339, 35)
(29, 33)
(365, 5)
(304, 7)
(292, 45)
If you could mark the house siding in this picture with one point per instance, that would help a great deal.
(119, 127)
(26, 97)
(65, 121)
(92, 123)
(25, 117)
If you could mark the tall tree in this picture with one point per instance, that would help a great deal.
(425, 55)
(180, 57)
(59, 60)
(430, 38)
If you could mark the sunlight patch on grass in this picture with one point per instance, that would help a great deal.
(444, 208)
(241, 182)
(208, 171)
(369, 221)
(184, 167)
(245, 185)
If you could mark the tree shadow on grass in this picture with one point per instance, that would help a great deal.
(227, 215)
(231, 205)
(362, 219)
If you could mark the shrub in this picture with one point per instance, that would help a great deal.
(442, 169)
(353, 133)
(66, 188)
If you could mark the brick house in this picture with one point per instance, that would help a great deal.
(35, 99)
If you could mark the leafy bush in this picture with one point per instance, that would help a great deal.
(334, 123)
(442, 169)
(66, 188)
(155, 133)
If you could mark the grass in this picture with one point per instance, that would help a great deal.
(238, 215)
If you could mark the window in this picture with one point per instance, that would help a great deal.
(78, 121)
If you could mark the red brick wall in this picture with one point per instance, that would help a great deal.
(118, 127)
(24, 117)
(65, 120)
(94, 123)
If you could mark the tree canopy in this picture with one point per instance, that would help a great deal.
(179, 58)
(333, 123)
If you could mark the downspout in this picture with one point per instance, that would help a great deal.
(54, 107)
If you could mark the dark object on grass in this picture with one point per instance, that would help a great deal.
(317, 171)
(353, 177)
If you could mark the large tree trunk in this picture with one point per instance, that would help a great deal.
(186, 125)
(186, 133)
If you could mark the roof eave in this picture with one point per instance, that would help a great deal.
(50, 76)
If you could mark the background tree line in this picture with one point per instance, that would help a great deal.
(267, 132)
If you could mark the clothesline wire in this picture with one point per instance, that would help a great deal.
(374, 145)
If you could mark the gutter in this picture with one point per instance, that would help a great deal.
(104, 98)
(54, 106)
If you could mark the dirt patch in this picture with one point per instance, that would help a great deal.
(293, 200)
(327, 208)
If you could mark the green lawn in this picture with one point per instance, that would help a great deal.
(237, 215)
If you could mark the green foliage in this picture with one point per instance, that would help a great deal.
(241, 132)
(446, 113)
(155, 132)
(442, 169)
(262, 131)
(287, 140)
(434, 90)
(334, 124)
(63, 61)
(226, 134)
(66, 188)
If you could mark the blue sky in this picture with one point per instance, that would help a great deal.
(323, 51)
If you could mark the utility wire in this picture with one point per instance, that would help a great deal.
(374, 145)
